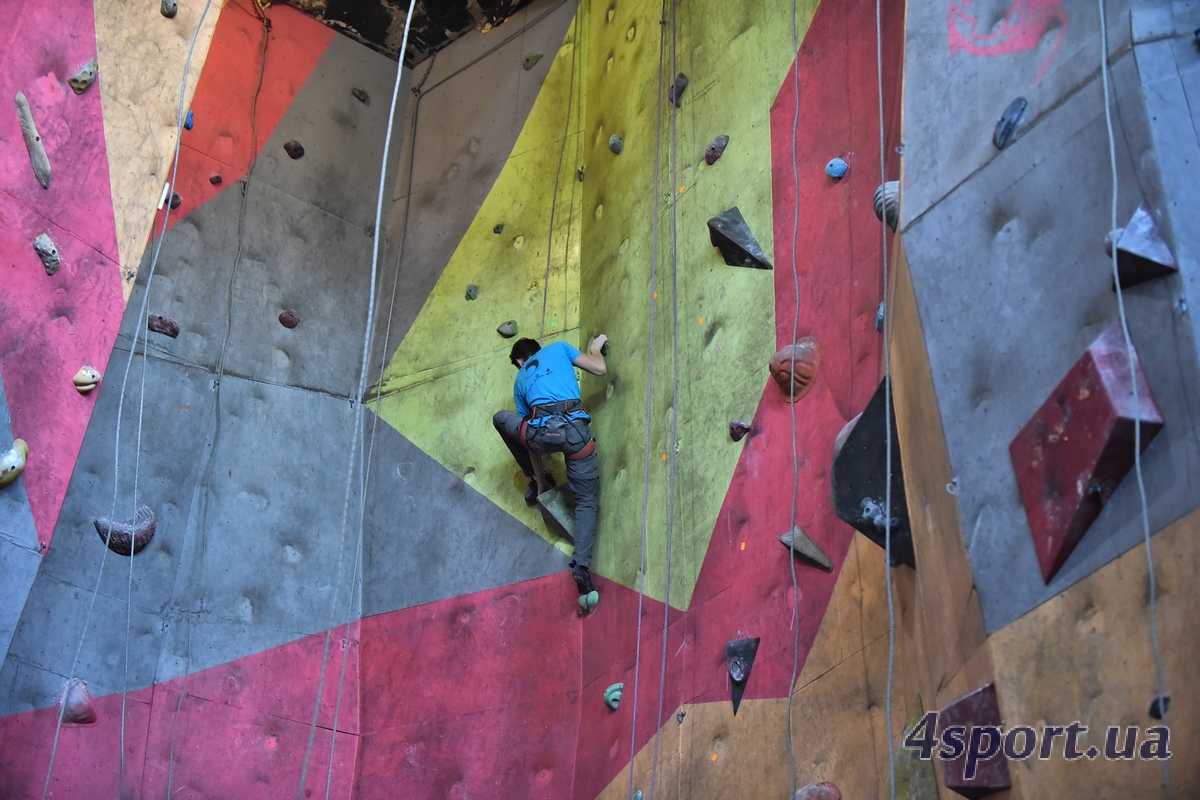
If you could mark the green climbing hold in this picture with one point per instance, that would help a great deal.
(589, 601)
(612, 695)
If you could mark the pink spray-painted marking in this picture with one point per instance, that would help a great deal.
(1023, 26)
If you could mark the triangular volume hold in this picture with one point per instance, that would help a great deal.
(730, 234)
(739, 657)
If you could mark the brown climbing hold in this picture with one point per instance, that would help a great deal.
(47, 251)
(361, 96)
(84, 78)
(738, 430)
(794, 368)
(715, 149)
(288, 318)
(216, 180)
(77, 705)
(294, 149)
(176, 201)
(33, 142)
(819, 791)
(160, 324)
(128, 538)
(675, 93)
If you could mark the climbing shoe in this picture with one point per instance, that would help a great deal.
(531, 493)
(589, 598)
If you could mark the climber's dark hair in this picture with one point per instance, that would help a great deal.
(523, 349)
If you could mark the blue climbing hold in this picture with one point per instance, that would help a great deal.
(837, 168)
(187, 123)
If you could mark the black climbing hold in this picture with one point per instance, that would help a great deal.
(801, 545)
(1159, 706)
(531, 61)
(880, 317)
(1008, 123)
(369, 230)
(216, 180)
(739, 658)
(859, 481)
(738, 430)
(294, 149)
(169, 8)
(730, 234)
(675, 93)
(1142, 253)
(679, 715)
(715, 149)
(176, 200)
(498, 228)
(288, 318)
(507, 329)
(160, 324)
(361, 95)
(579, 174)
(472, 291)
(616, 143)
(127, 538)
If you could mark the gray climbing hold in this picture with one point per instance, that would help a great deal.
(294, 149)
(612, 695)
(78, 708)
(160, 324)
(887, 203)
(738, 430)
(675, 93)
(801, 545)
(507, 329)
(33, 142)
(880, 317)
(361, 96)
(127, 538)
(498, 228)
(472, 291)
(616, 143)
(47, 251)
(837, 168)
(84, 78)
(531, 61)
(730, 234)
(169, 8)
(715, 149)
(1009, 120)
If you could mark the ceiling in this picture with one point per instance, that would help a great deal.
(379, 24)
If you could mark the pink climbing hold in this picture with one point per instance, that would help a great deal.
(818, 791)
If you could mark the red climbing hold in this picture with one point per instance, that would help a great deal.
(1074, 451)
(794, 367)
(978, 713)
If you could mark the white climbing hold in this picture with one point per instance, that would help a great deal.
(47, 251)
(33, 142)
(77, 705)
(12, 462)
(887, 203)
(86, 379)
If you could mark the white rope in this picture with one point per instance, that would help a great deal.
(179, 120)
(1131, 356)
(359, 399)
(647, 422)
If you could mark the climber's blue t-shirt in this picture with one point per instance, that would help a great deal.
(548, 376)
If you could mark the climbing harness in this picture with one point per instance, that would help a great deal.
(551, 435)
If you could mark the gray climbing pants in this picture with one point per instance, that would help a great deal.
(583, 474)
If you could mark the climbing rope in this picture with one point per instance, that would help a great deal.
(648, 417)
(562, 151)
(887, 417)
(1131, 355)
(672, 454)
(142, 315)
(359, 400)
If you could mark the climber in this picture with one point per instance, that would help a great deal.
(549, 419)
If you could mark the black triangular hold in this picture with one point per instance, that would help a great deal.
(739, 658)
(800, 544)
(730, 234)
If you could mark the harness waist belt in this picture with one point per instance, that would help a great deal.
(551, 409)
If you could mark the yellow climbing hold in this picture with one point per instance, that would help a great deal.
(12, 462)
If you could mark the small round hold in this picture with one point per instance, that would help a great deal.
(288, 318)
(472, 291)
(531, 61)
(169, 8)
(616, 143)
(361, 96)
(86, 379)
(498, 228)
(176, 200)
(738, 430)
(1159, 706)
(84, 77)
(294, 149)
(612, 695)
(738, 669)
(794, 367)
(837, 168)
(715, 149)
(189, 121)
(507, 329)
(216, 180)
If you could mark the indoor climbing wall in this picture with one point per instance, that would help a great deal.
(1013, 395)
(234, 431)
